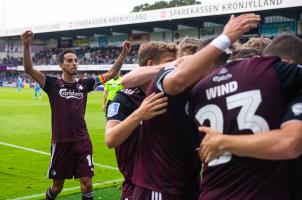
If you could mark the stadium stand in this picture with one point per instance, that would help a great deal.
(97, 42)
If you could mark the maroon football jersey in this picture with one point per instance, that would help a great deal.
(124, 103)
(166, 159)
(240, 97)
(68, 105)
(294, 112)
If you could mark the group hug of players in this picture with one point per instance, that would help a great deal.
(233, 110)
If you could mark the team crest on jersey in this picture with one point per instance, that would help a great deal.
(80, 87)
(297, 109)
(53, 172)
(113, 109)
(222, 71)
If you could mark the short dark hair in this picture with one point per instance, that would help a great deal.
(62, 54)
(285, 46)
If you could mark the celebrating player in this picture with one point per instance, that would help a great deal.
(71, 149)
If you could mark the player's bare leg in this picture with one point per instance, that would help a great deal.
(86, 188)
(55, 189)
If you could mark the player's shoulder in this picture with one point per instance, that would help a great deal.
(51, 79)
(85, 79)
(110, 82)
(121, 97)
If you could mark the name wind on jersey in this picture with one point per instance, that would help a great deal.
(221, 90)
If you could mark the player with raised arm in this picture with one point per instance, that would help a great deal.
(71, 149)
(283, 143)
(127, 111)
(245, 97)
(167, 165)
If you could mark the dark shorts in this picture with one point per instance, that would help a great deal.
(71, 159)
(127, 192)
(125, 196)
(145, 194)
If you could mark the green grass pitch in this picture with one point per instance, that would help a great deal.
(25, 123)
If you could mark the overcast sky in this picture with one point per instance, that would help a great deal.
(20, 13)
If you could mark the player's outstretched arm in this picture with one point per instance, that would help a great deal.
(145, 74)
(27, 38)
(116, 66)
(200, 63)
(284, 143)
(118, 131)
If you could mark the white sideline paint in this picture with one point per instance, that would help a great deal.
(67, 189)
(24, 148)
(48, 154)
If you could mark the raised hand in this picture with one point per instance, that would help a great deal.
(237, 26)
(27, 37)
(126, 47)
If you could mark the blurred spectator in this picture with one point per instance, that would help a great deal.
(86, 55)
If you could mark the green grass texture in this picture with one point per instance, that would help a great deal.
(26, 123)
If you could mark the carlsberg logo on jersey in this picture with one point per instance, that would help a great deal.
(70, 94)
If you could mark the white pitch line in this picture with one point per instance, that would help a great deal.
(105, 166)
(67, 189)
(45, 153)
(25, 148)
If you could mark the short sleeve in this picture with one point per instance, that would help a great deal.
(120, 108)
(290, 77)
(160, 77)
(90, 84)
(49, 80)
(294, 110)
(106, 86)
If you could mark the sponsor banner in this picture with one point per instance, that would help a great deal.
(8, 68)
(11, 68)
(206, 8)
(100, 67)
(2, 68)
(7, 84)
(80, 43)
(272, 29)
